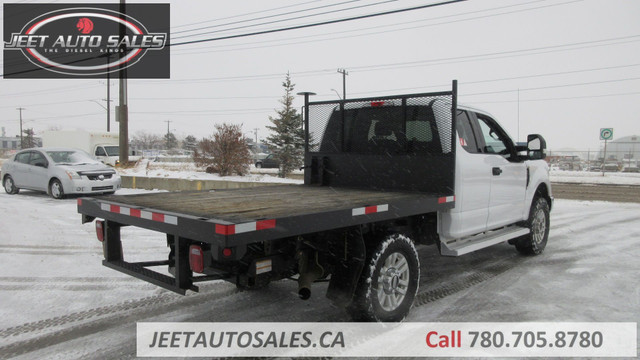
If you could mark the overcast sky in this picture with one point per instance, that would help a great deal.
(576, 64)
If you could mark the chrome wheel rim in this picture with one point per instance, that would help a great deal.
(539, 226)
(56, 190)
(393, 282)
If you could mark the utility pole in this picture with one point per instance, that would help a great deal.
(21, 141)
(344, 82)
(108, 98)
(518, 138)
(122, 110)
(256, 132)
(168, 122)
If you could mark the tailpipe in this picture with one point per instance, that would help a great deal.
(310, 271)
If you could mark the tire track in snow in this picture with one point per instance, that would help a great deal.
(131, 311)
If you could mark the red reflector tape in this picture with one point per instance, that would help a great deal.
(79, 202)
(246, 227)
(265, 224)
(370, 210)
(159, 217)
(446, 199)
(225, 229)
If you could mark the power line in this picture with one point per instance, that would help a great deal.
(263, 17)
(377, 28)
(241, 15)
(428, 62)
(360, 17)
(288, 19)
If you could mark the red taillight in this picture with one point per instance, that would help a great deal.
(100, 230)
(377, 103)
(226, 252)
(196, 258)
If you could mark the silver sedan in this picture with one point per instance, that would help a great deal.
(58, 171)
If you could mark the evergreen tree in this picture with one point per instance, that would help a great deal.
(27, 139)
(287, 138)
(190, 143)
(170, 141)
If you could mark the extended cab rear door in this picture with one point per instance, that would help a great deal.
(507, 172)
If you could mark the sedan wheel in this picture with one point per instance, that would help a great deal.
(9, 186)
(55, 189)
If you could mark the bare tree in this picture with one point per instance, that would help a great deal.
(145, 141)
(226, 153)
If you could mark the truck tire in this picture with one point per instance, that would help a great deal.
(55, 189)
(258, 165)
(389, 281)
(538, 222)
(10, 186)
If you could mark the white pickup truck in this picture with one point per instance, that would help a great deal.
(382, 176)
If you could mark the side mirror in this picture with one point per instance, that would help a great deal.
(536, 147)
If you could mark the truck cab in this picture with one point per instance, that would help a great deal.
(495, 179)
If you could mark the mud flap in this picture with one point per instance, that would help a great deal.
(344, 279)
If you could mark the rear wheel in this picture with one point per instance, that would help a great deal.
(389, 282)
(56, 190)
(10, 186)
(538, 222)
(258, 165)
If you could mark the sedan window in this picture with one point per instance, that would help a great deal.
(37, 159)
(22, 157)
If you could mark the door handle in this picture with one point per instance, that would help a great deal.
(496, 171)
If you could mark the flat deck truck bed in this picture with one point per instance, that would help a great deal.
(227, 217)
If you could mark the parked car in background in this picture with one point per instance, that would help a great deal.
(58, 171)
(269, 162)
(610, 167)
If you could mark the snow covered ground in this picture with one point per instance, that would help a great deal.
(58, 301)
(590, 177)
(192, 172)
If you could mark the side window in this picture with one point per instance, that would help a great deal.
(465, 133)
(100, 151)
(23, 157)
(37, 158)
(494, 142)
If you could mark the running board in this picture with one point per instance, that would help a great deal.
(467, 245)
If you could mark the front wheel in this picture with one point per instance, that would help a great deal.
(10, 186)
(389, 282)
(56, 190)
(538, 222)
(259, 166)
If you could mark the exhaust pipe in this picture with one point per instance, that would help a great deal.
(310, 271)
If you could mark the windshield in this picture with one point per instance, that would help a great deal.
(70, 157)
(112, 150)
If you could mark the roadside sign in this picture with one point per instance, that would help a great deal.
(606, 133)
